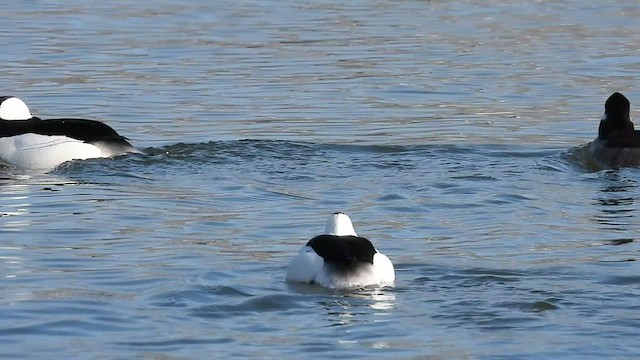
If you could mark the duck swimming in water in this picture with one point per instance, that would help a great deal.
(31, 143)
(618, 143)
(339, 258)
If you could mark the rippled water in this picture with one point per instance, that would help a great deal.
(448, 130)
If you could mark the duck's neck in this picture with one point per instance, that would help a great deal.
(614, 125)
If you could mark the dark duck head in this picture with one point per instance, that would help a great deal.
(616, 120)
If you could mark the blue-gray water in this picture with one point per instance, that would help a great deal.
(446, 129)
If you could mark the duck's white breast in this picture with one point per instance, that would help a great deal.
(44, 151)
(309, 267)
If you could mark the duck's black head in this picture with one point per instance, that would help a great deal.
(615, 120)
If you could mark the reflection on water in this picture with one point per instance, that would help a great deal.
(616, 204)
(17, 192)
(350, 304)
(345, 307)
(28, 200)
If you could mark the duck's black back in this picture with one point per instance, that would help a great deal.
(80, 129)
(343, 250)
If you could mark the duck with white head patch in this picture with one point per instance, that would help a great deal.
(31, 143)
(339, 258)
(618, 143)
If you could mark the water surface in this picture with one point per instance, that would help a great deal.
(448, 130)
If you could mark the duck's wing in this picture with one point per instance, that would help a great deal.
(80, 129)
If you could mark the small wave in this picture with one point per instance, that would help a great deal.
(242, 152)
(581, 158)
(257, 146)
(265, 303)
(174, 344)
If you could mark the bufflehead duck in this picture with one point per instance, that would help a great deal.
(617, 144)
(29, 142)
(340, 259)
